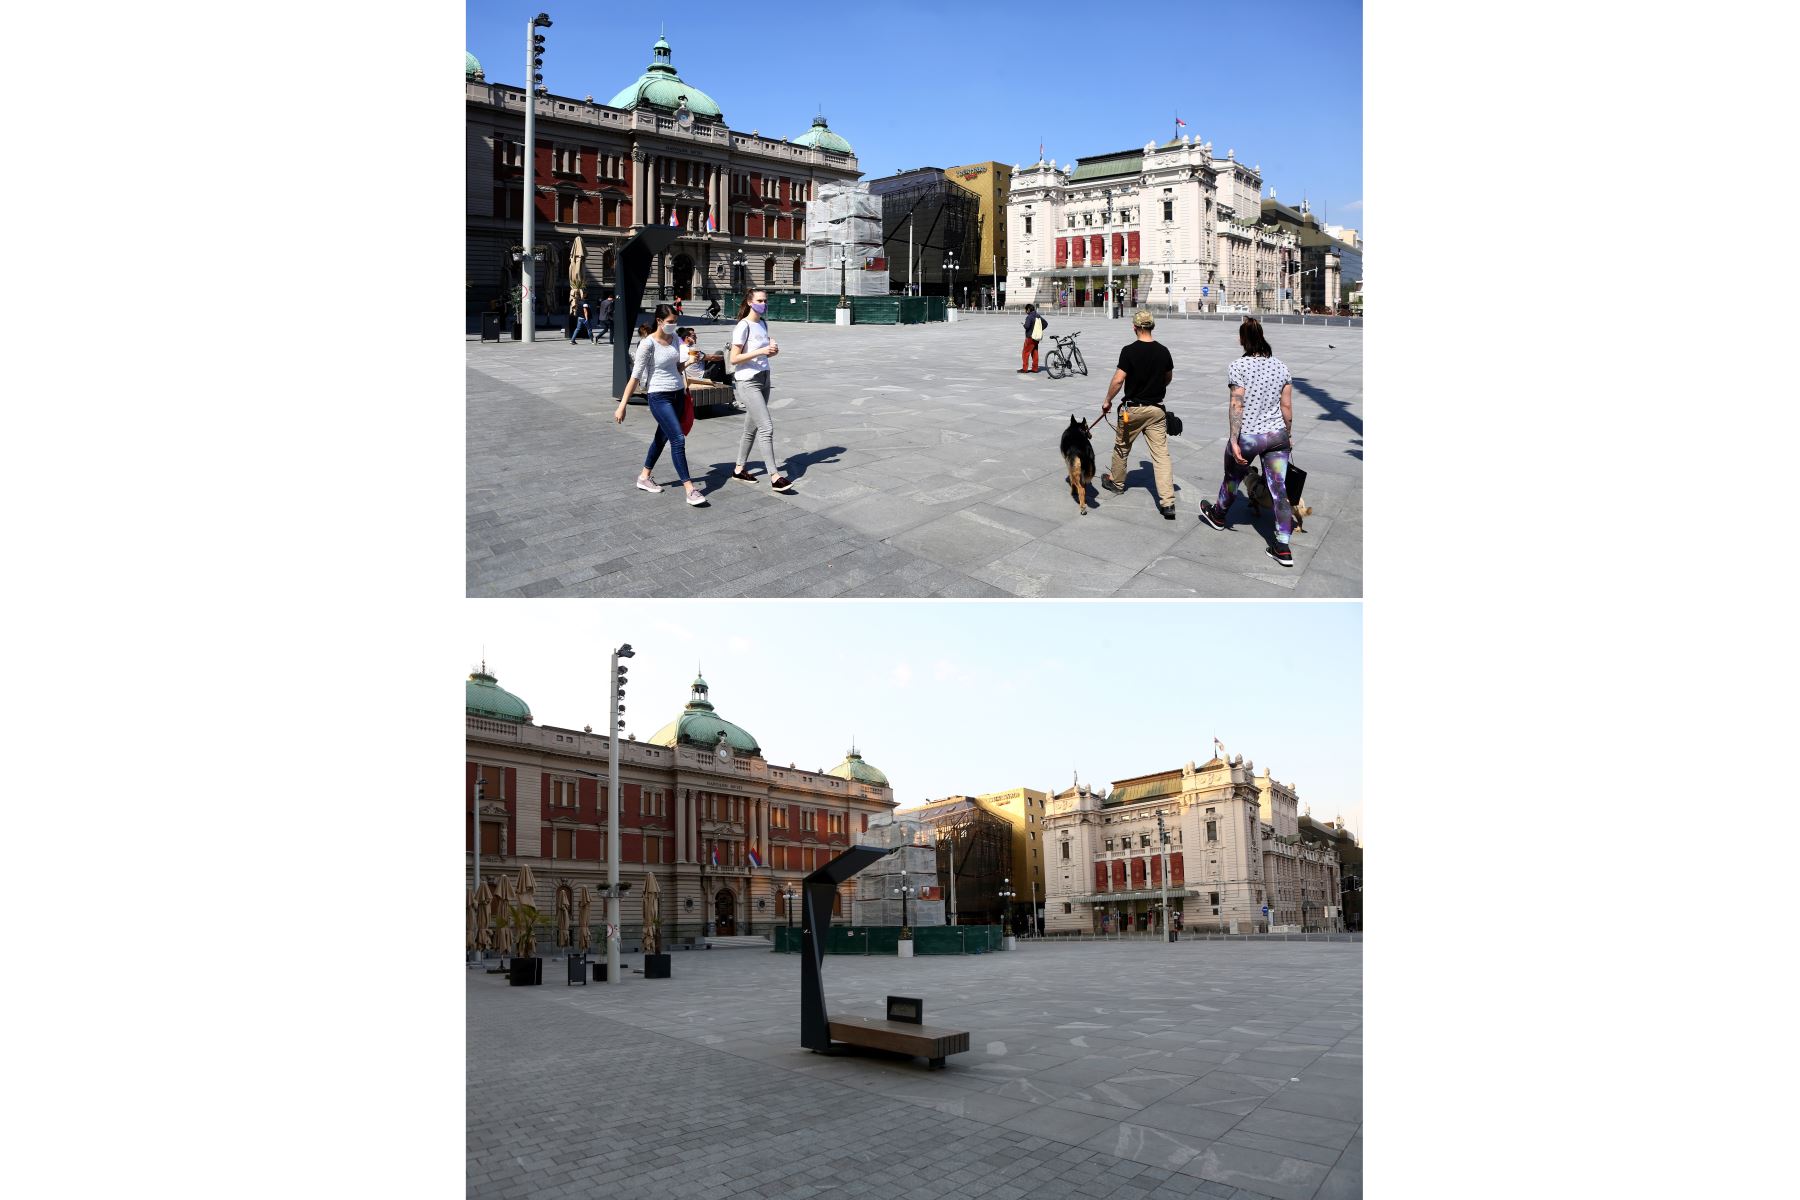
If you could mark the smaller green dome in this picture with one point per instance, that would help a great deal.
(486, 698)
(471, 65)
(853, 767)
(820, 135)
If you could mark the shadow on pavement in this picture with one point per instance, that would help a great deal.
(1335, 410)
(798, 463)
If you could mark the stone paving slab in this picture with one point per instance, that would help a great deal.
(697, 1086)
(896, 435)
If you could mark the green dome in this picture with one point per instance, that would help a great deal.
(698, 725)
(486, 698)
(820, 135)
(853, 767)
(471, 65)
(660, 87)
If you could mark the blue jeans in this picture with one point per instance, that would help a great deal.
(666, 408)
(581, 327)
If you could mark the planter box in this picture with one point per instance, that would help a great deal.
(656, 966)
(526, 972)
(905, 948)
(600, 972)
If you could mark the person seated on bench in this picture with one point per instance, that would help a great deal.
(695, 360)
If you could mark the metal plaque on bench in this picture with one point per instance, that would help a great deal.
(906, 1008)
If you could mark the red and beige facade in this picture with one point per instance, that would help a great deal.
(698, 816)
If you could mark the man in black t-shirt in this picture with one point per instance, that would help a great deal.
(1145, 368)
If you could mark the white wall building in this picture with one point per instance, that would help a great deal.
(1179, 230)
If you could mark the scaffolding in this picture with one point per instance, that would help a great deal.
(843, 243)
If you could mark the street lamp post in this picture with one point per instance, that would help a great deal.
(1006, 898)
(787, 902)
(1162, 837)
(950, 265)
(617, 708)
(534, 45)
(740, 272)
(1111, 301)
(904, 890)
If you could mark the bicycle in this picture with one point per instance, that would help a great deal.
(1066, 358)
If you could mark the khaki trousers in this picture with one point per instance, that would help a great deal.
(1147, 420)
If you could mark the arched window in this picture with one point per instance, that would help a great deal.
(769, 269)
(796, 270)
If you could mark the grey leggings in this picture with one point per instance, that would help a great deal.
(753, 394)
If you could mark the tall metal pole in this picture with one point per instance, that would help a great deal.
(1110, 300)
(1163, 837)
(612, 829)
(527, 301)
(953, 878)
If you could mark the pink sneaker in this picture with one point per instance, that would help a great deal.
(648, 485)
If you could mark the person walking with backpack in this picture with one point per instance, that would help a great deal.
(751, 350)
(1262, 422)
(1144, 370)
(1034, 333)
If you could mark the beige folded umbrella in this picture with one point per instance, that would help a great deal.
(562, 915)
(582, 937)
(577, 255)
(652, 914)
(484, 898)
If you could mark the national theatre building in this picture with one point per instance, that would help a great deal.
(1234, 847)
(700, 807)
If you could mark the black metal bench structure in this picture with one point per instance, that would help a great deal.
(818, 1031)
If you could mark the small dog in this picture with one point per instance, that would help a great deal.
(1257, 492)
(1078, 457)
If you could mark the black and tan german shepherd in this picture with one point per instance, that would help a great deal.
(1078, 456)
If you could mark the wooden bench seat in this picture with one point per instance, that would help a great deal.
(707, 393)
(921, 1041)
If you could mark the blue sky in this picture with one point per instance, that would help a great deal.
(936, 83)
(951, 697)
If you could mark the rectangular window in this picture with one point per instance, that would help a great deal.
(1065, 851)
(1109, 843)
(1212, 831)
(1145, 844)
(1068, 907)
(1028, 226)
(1168, 210)
(565, 844)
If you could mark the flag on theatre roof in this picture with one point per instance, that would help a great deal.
(755, 861)
(1181, 124)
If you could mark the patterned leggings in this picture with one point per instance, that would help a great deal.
(1273, 446)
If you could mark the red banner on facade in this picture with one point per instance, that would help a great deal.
(1131, 248)
(1062, 252)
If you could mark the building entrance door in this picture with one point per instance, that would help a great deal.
(684, 276)
(725, 914)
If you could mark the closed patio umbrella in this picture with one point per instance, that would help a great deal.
(582, 937)
(562, 915)
(652, 914)
(577, 254)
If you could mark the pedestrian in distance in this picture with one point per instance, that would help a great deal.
(748, 358)
(604, 328)
(1262, 423)
(1034, 333)
(656, 371)
(1144, 370)
(580, 307)
(713, 310)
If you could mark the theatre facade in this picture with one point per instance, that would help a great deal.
(727, 833)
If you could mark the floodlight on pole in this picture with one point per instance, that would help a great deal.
(617, 722)
(534, 60)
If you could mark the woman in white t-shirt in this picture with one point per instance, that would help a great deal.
(1262, 423)
(656, 371)
(751, 350)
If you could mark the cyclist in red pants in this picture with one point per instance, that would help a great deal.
(1034, 333)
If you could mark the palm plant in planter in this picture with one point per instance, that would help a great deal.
(527, 968)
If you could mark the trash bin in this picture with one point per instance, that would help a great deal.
(578, 969)
(490, 327)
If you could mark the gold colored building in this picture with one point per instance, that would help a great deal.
(992, 183)
(1024, 809)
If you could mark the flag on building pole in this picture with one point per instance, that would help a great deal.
(710, 227)
(673, 219)
(1040, 152)
(715, 856)
(754, 860)
(1180, 124)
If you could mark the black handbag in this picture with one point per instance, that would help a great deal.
(1296, 482)
(1172, 423)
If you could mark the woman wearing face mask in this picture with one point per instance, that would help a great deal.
(656, 370)
(751, 350)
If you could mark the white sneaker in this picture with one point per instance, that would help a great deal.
(696, 498)
(648, 485)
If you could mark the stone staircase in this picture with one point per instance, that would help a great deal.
(755, 942)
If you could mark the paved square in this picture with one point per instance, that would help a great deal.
(1096, 1069)
(924, 466)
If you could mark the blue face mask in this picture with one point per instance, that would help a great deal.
(760, 309)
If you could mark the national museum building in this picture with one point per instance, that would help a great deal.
(1234, 846)
(1182, 231)
(658, 152)
(700, 806)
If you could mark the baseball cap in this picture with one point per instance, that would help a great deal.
(1141, 319)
